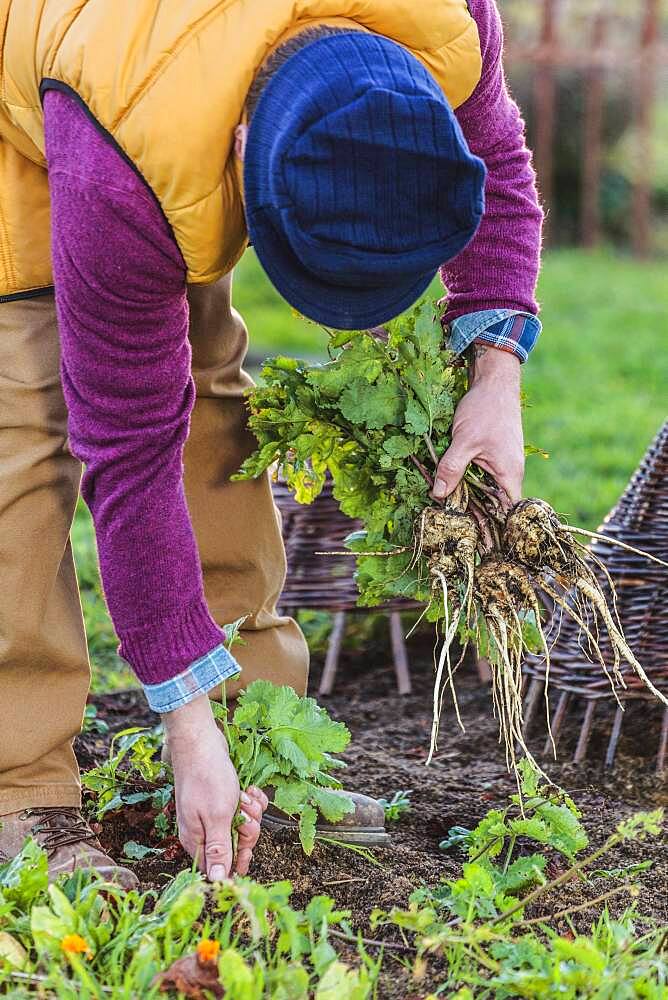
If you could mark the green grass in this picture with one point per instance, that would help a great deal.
(597, 383)
(596, 388)
(110, 673)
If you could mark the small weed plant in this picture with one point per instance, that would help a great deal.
(397, 806)
(277, 741)
(92, 723)
(133, 775)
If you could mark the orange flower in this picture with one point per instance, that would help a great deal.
(207, 950)
(74, 944)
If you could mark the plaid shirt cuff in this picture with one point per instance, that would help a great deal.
(507, 329)
(200, 677)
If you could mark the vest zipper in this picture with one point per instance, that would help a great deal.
(32, 293)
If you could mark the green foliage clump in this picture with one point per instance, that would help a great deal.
(396, 806)
(280, 741)
(495, 875)
(377, 418)
(85, 937)
(276, 739)
(370, 417)
(134, 774)
(479, 924)
(303, 960)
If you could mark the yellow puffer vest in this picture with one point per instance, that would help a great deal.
(167, 80)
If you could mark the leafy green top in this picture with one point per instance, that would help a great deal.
(371, 417)
(276, 739)
(281, 741)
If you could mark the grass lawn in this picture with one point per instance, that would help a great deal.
(596, 388)
(598, 383)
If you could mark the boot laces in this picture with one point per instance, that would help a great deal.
(58, 827)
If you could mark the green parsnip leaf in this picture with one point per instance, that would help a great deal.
(364, 417)
(280, 741)
(373, 406)
(307, 821)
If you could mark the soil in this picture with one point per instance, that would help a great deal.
(390, 738)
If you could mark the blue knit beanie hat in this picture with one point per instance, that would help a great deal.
(358, 180)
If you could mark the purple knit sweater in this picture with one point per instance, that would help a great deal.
(120, 292)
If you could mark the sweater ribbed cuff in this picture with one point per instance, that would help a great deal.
(163, 649)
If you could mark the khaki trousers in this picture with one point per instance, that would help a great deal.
(44, 670)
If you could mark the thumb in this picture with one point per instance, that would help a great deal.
(451, 470)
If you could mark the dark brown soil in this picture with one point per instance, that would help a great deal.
(467, 778)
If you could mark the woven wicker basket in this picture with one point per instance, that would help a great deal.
(640, 519)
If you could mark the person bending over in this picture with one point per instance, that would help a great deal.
(359, 148)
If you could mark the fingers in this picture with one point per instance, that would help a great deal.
(453, 465)
(211, 843)
(509, 479)
(253, 804)
(451, 470)
(243, 860)
(218, 855)
(192, 841)
(258, 795)
(249, 833)
(511, 491)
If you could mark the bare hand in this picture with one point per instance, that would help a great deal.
(487, 428)
(207, 793)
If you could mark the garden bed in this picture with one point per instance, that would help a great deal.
(390, 738)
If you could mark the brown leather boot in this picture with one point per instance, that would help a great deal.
(364, 827)
(68, 840)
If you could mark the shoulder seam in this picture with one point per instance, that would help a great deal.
(50, 84)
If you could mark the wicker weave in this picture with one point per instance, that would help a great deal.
(315, 581)
(640, 519)
(327, 583)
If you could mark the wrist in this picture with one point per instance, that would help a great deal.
(190, 720)
(488, 362)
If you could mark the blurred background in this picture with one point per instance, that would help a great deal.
(591, 77)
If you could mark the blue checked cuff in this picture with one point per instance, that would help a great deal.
(507, 329)
(200, 677)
